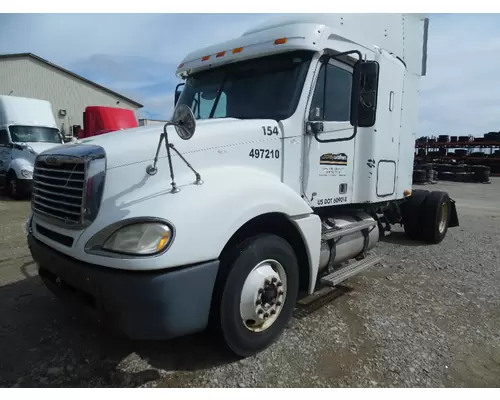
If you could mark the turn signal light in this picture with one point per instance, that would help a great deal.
(237, 50)
(163, 242)
(281, 41)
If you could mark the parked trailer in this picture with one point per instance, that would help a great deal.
(302, 158)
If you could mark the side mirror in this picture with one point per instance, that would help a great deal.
(364, 94)
(178, 93)
(184, 122)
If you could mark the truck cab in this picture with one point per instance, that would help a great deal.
(288, 155)
(27, 128)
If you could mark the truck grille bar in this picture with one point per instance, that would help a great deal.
(68, 184)
(59, 190)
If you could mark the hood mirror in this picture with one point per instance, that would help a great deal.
(185, 124)
(184, 121)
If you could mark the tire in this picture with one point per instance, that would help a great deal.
(236, 266)
(12, 186)
(419, 176)
(436, 212)
(411, 212)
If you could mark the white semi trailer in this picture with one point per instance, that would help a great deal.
(293, 154)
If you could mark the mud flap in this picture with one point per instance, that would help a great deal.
(454, 215)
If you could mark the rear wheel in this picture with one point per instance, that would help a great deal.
(436, 212)
(257, 293)
(411, 212)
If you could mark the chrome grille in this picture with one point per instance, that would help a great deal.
(59, 189)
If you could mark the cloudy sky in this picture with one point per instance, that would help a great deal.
(136, 54)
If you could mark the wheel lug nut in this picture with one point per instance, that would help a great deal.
(280, 292)
(258, 302)
(274, 280)
(279, 284)
(273, 312)
(260, 312)
(268, 281)
(266, 315)
(278, 303)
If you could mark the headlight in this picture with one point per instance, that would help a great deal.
(27, 174)
(140, 239)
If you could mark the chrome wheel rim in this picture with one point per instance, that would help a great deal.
(444, 217)
(263, 295)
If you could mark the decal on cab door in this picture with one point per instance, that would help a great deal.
(333, 159)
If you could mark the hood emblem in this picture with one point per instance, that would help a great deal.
(53, 160)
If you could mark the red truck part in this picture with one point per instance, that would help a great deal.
(98, 120)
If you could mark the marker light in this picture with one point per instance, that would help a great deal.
(281, 41)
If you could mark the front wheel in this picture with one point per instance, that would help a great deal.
(258, 295)
(13, 186)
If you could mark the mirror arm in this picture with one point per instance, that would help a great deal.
(198, 176)
(345, 139)
(152, 169)
(184, 121)
(177, 93)
(330, 54)
(175, 189)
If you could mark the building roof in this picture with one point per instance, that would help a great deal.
(33, 56)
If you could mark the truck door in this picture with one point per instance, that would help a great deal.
(328, 166)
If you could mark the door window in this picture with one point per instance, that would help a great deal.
(332, 97)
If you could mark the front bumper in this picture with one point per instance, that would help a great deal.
(144, 305)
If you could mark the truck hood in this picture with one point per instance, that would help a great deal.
(137, 145)
(38, 147)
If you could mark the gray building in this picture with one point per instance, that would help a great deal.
(27, 75)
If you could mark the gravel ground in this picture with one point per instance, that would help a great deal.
(428, 317)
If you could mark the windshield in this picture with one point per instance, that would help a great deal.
(20, 133)
(263, 88)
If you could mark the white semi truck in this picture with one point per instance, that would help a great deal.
(27, 128)
(293, 155)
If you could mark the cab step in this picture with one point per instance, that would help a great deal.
(355, 268)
